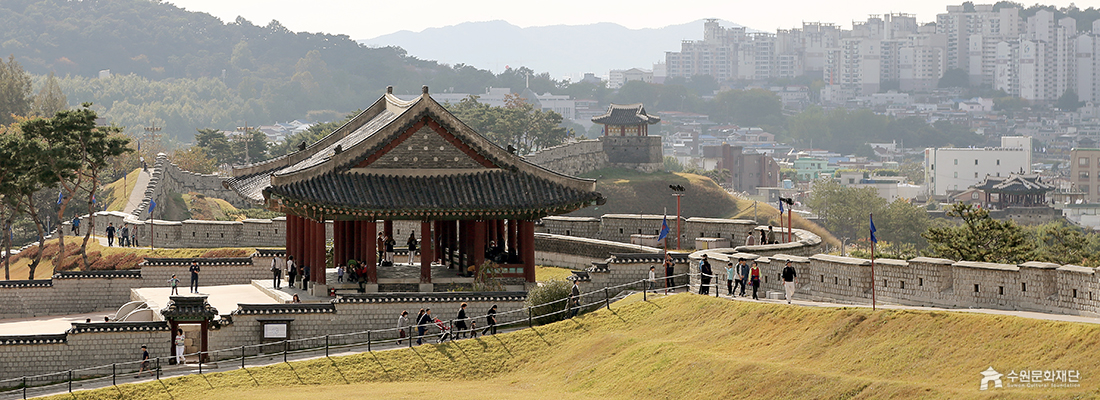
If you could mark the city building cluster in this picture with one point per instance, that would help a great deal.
(1038, 57)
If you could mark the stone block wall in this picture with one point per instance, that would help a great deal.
(585, 227)
(578, 253)
(86, 345)
(357, 313)
(733, 229)
(633, 149)
(571, 158)
(67, 293)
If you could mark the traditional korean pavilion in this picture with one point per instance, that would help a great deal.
(411, 160)
(1014, 191)
(626, 120)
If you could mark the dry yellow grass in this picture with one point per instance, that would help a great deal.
(543, 273)
(686, 346)
(116, 195)
(20, 268)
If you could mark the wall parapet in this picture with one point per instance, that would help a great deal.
(298, 308)
(431, 297)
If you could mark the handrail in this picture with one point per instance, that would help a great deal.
(313, 343)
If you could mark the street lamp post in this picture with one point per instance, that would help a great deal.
(678, 191)
(244, 138)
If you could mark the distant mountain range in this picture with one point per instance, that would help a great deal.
(561, 50)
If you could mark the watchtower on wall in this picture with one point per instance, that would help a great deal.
(626, 137)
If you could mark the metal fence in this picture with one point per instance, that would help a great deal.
(310, 347)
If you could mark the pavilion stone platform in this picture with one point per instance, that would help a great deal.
(411, 161)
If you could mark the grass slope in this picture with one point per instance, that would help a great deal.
(104, 258)
(686, 346)
(117, 193)
(633, 192)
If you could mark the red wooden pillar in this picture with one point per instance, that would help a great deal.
(425, 252)
(527, 249)
(369, 232)
(357, 240)
(388, 226)
(317, 270)
(479, 242)
(339, 247)
(349, 241)
(307, 247)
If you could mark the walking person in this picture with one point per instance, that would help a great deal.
(194, 276)
(460, 322)
(179, 341)
(574, 300)
(652, 281)
(790, 277)
(291, 272)
(742, 276)
(731, 274)
(124, 236)
(110, 234)
(175, 283)
(670, 271)
(340, 273)
(704, 275)
(754, 279)
(402, 325)
(276, 272)
(76, 226)
(380, 245)
(412, 246)
(390, 243)
(750, 240)
(133, 236)
(491, 321)
(145, 363)
(422, 325)
(763, 237)
(771, 235)
(305, 277)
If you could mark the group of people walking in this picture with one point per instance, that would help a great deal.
(462, 324)
(741, 275)
(127, 237)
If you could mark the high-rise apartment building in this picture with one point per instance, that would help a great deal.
(1087, 49)
(972, 32)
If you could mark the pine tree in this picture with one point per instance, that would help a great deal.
(979, 238)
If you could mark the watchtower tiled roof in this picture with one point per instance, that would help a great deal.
(1014, 183)
(626, 114)
(409, 160)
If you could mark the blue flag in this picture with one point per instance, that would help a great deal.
(59, 197)
(873, 238)
(152, 205)
(781, 207)
(664, 229)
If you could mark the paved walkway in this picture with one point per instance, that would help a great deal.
(138, 193)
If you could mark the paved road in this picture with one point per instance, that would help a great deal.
(138, 193)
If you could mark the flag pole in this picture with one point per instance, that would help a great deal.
(873, 300)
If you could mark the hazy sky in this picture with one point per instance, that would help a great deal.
(370, 18)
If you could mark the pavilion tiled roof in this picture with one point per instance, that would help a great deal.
(1014, 183)
(438, 196)
(626, 114)
(409, 160)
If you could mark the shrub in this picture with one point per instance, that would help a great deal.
(549, 297)
(217, 253)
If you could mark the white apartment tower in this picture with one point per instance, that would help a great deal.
(1087, 48)
(972, 34)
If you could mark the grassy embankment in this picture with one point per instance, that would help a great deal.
(104, 258)
(686, 346)
(115, 194)
(633, 192)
